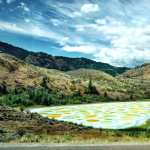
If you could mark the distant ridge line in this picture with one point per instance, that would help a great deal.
(62, 63)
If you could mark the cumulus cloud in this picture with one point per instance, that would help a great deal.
(129, 45)
(122, 57)
(89, 8)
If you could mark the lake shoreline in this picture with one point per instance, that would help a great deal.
(21, 127)
(112, 111)
(42, 106)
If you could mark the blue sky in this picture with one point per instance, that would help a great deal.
(111, 31)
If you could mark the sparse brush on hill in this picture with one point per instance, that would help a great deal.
(29, 85)
(115, 88)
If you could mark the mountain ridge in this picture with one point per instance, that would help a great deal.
(59, 62)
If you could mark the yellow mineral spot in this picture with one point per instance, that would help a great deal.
(92, 120)
(128, 118)
(91, 116)
(54, 116)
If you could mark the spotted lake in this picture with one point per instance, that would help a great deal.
(119, 115)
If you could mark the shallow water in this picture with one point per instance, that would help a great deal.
(119, 115)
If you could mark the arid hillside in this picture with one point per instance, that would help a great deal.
(16, 73)
(140, 72)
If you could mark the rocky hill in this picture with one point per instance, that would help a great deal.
(58, 62)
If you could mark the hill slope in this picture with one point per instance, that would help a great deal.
(16, 73)
(140, 72)
(58, 85)
(59, 62)
(116, 87)
(101, 79)
(86, 74)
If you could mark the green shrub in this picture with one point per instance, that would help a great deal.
(42, 96)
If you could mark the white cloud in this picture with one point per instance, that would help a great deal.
(27, 20)
(63, 41)
(128, 44)
(11, 27)
(55, 22)
(80, 28)
(9, 1)
(33, 31)
(24, 7)
(87, 49)
(101, 21)
(89, 8)
(87, 27)
(122, 57)
(76, 14)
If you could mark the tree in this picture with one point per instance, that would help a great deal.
(44, 83)
(91, 88)
(105, 94)
(131, 97)
(3, 88)
(117, 98)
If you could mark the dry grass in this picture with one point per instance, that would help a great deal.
(85, 137)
